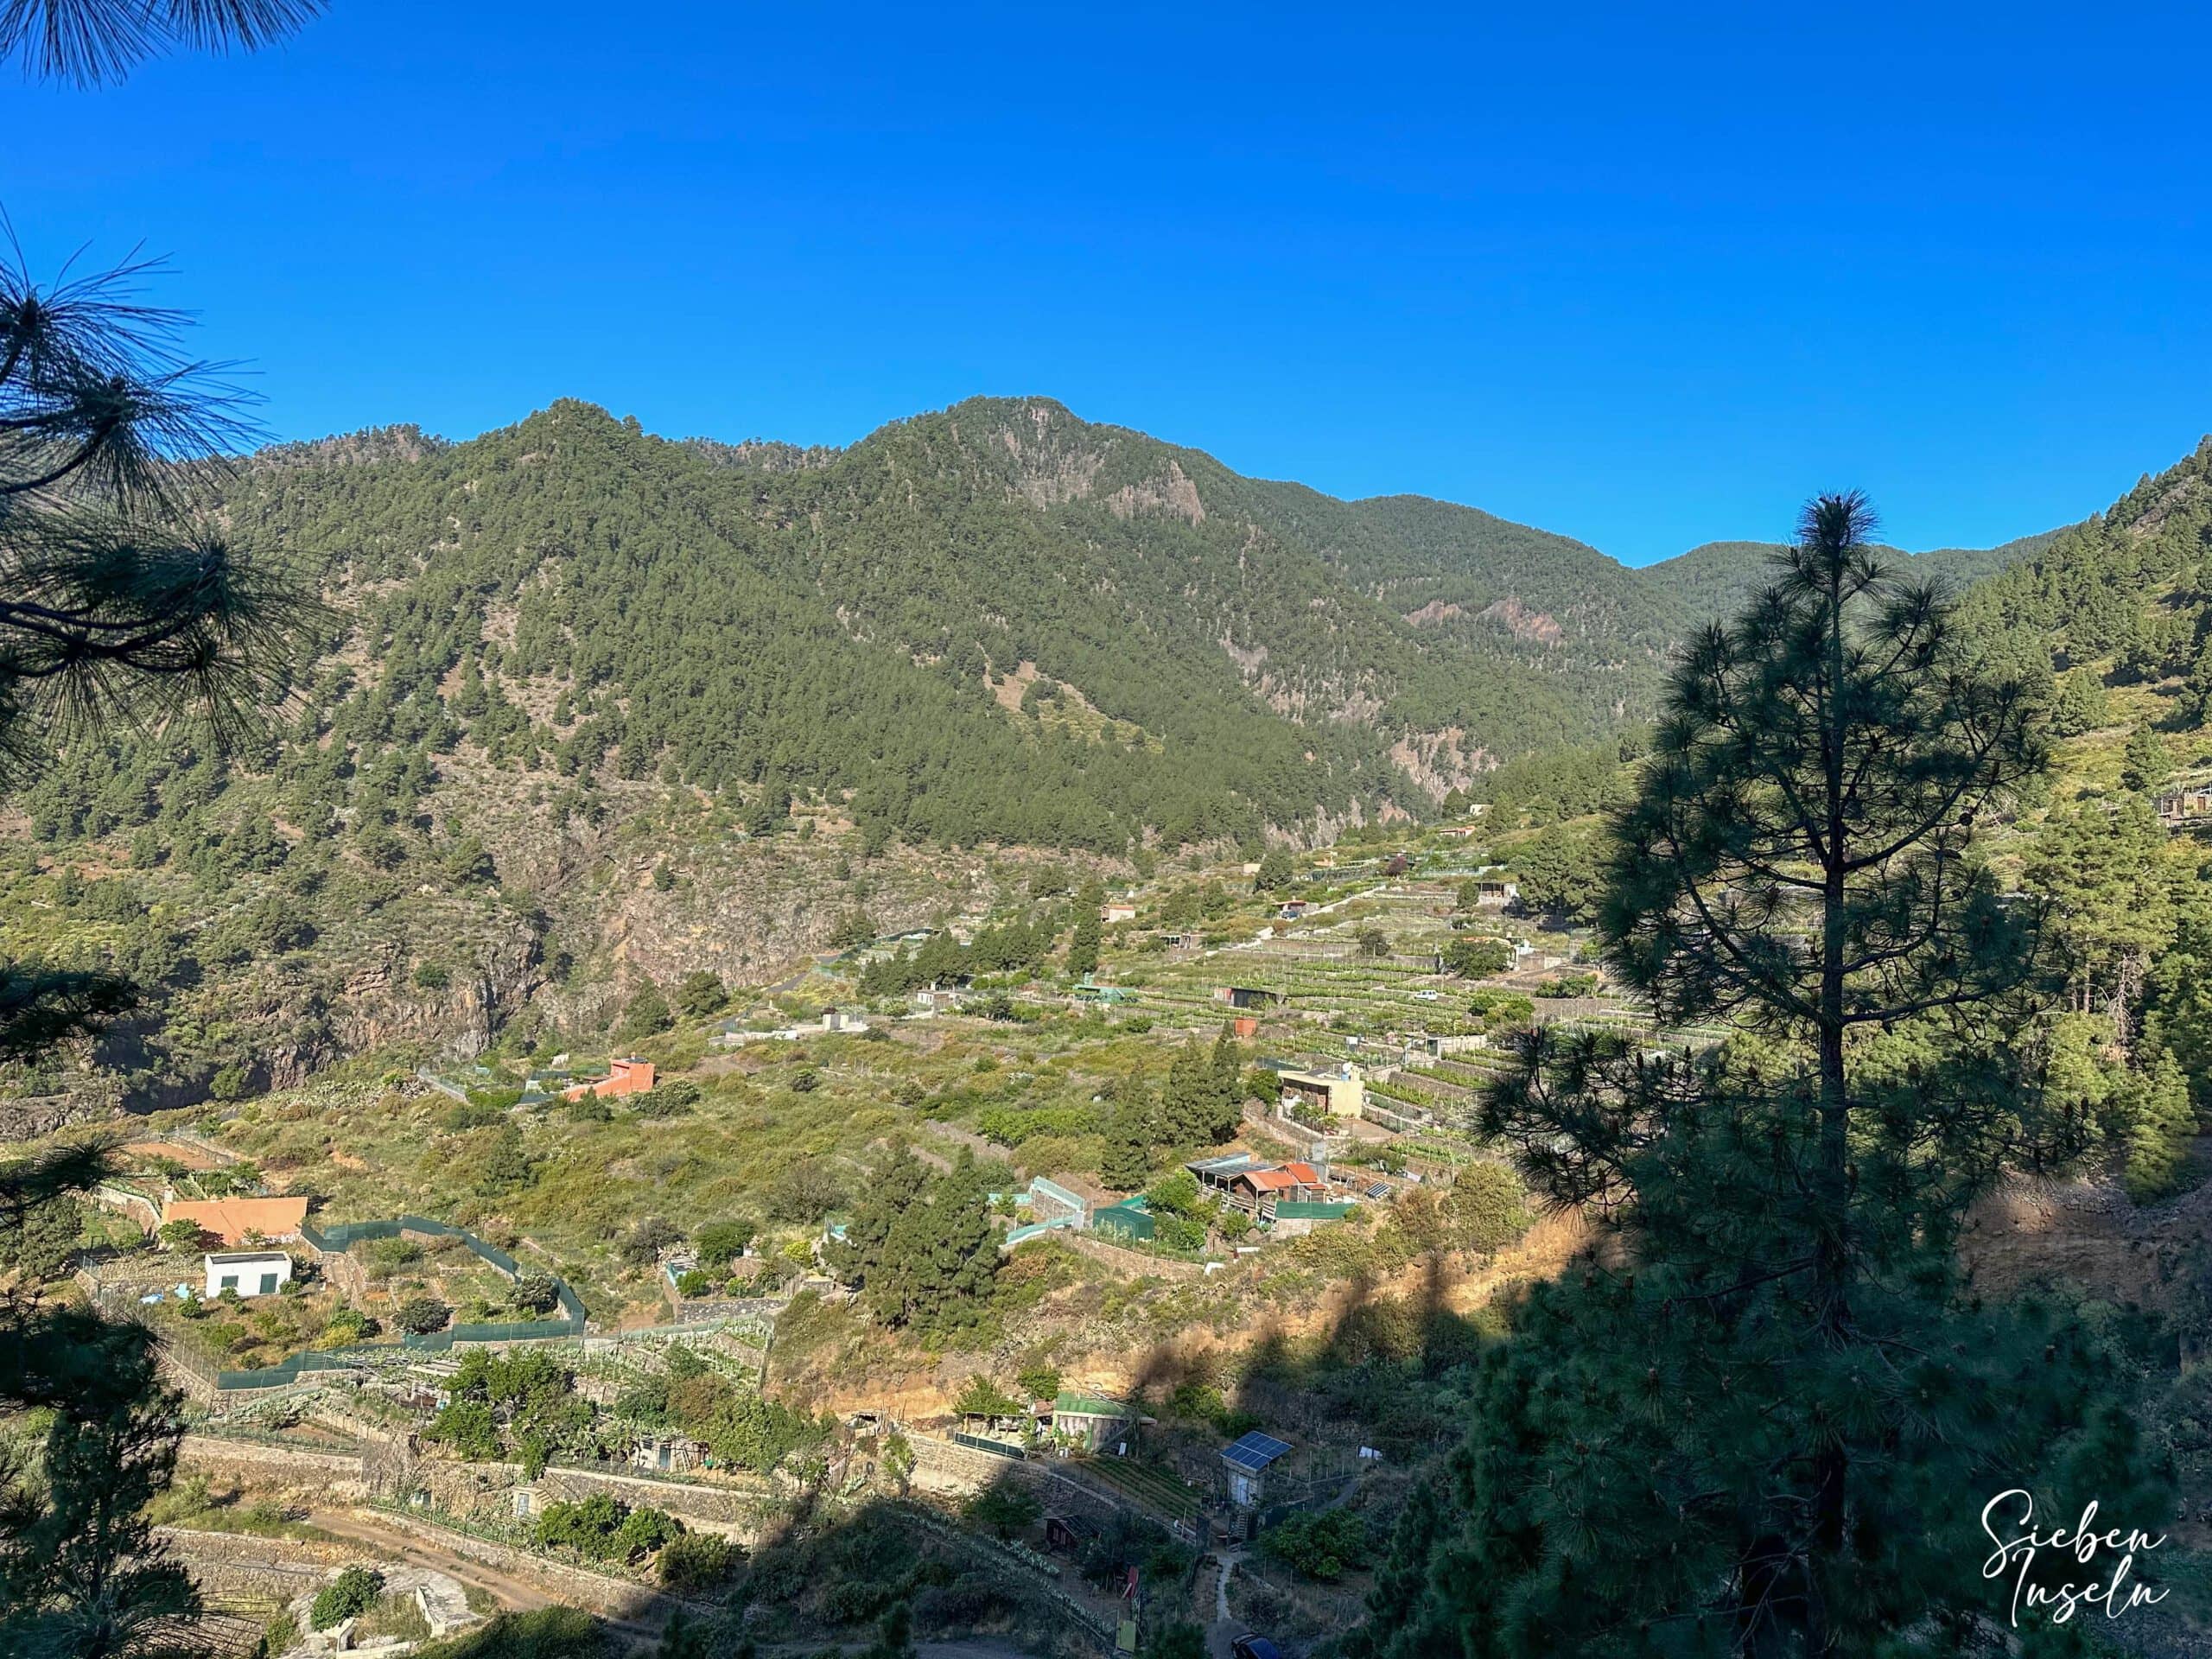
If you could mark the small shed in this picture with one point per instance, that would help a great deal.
(1092, 1421)
(1068, 1534)
(1246, 1461)
(1248, 996)
(247, 1273)
(2185, 806)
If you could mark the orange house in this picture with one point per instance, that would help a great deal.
(628, 1077)
(232, 1219)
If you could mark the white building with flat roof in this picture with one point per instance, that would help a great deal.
(247, 1273)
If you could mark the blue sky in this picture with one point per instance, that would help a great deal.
(1646, 279)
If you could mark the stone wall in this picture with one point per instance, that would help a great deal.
(616, 1598)
(231, 1567)
(1136, 1264)
(946, 1470)
(340, 1474)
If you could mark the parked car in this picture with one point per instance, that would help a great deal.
(1249, 1646)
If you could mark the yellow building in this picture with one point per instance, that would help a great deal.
(1340, 1094)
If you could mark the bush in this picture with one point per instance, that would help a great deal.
(646, 1015)
(721, 1242)
(536, 1293)
(181, 1234)
(422, 1315)
(667, 1099)
(699, 993)
(352, 1594)
(1003, 1510)
(347, 1325)
(472, 1114)
(642, 1246)
(1473, 958)
(1488, 1207)
(1325, 1544)
(696, 1560)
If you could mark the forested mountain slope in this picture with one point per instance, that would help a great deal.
(586, 692)
(993, 622)
(1714, 579)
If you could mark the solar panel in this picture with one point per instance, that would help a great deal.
(1255, 1451)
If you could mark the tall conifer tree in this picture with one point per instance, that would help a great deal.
(1759, 1416)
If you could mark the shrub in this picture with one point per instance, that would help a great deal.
(422, 1315)
(473, 1114)
(701, 993)
(667, 1099)
(642, 1245)
(181, 1234)
(352, 1594)
(1325, 1544)
(721, 1242)
(1003, 1510)
(536, 1293)
(696, 1560)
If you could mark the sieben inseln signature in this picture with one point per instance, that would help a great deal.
(2019, 1542)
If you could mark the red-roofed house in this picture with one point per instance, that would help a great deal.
(1258, 1191)
(627, 1077)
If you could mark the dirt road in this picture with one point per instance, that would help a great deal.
(512, 1592)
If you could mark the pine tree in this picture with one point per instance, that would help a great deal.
(2103, 868)
(896, 1187)
(2081, 705)
(88, 42)
(1226, 1079)
(1130, 1132)
(937, 1258)
(1186, 1105)
(119, 606)
(1741, 1423)
(2147, 762)
(1082, 944)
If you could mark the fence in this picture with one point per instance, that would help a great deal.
(340, 1235)
(996, 1448)
(332, 1240)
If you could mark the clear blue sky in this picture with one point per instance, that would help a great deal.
(1644, 274)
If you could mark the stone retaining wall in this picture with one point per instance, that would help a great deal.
(339, 1473)
(950, 1471)
(235, 1567)
(615, 1598)
(1136, 1263)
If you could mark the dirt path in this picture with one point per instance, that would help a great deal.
(1223, 1631)
(513, 1593)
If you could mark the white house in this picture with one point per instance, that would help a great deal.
(248, 1272)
